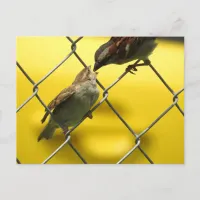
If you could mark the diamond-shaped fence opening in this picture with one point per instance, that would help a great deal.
(137, 136)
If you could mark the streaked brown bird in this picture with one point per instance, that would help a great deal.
(120, 50)
(72, 103)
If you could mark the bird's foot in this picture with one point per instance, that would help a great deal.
(89, 114)
(131, 69)
(65, 130)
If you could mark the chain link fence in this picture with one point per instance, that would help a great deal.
(136, 136)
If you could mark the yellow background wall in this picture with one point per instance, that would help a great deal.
(139, 98)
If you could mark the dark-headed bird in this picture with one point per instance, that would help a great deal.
(120, 50)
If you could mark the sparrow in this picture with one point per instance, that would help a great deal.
(120, 50)
(72, 103)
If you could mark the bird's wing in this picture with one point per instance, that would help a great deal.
(124, 46)
(61, 97)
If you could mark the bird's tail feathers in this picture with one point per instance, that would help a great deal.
(48, 132)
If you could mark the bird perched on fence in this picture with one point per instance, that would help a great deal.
(72, 103)
(120, 50)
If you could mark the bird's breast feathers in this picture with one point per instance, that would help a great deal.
(86, 92)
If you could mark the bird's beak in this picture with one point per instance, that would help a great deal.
(96, 66)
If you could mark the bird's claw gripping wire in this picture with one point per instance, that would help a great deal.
(132, 68)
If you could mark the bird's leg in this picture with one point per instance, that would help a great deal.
(65, 130)
(132, 68)
(89, 114)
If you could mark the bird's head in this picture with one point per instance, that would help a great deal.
(103, 56)
(86, 74)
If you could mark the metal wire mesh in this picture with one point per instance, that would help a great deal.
(137, 136)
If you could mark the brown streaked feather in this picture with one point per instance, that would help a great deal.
(122, 47)
(61, 97)
(116, 39)
(82, 76)
(133, 42)
(113, 49)
(119, 45)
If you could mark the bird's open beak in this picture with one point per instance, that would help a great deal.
(96, 66)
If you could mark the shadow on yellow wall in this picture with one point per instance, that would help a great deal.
(139, 99)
